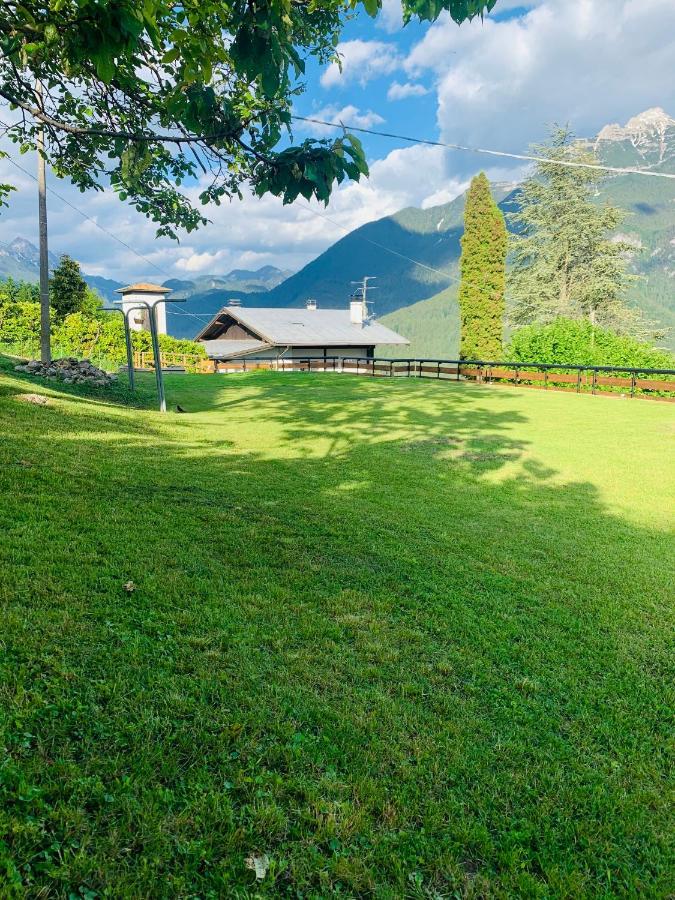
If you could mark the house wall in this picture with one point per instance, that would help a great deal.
(311, 352)
(234, 331)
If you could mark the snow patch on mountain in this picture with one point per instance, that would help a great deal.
(647, 132)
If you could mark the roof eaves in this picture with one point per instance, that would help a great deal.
(231, 311)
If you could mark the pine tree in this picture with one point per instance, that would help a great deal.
(482, 266)
(566, 258)
(67, 288)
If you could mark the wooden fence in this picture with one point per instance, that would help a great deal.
(582, 379)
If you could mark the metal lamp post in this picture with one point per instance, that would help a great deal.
(154, 336)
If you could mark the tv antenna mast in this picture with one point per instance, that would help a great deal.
(362, 292)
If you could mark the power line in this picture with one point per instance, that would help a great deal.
(566, 163)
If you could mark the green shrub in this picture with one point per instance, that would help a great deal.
(101, 337)
(91, 333)
(577, 342)
(19, 321)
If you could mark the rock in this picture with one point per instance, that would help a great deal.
(36, 399)
(68, 370)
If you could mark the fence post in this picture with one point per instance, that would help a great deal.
(438, 369)
(545, 379)
(516, 378)
(633, 379)
(579, 381)
(595, 381)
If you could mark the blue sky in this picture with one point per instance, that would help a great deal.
(496, 84)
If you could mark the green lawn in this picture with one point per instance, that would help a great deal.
(407, 639)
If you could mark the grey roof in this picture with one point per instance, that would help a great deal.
(310, 327)
(217, 349)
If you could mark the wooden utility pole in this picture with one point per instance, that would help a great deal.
(45, 324)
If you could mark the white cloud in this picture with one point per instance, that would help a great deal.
(247, 233)
(361, 62)
(347, 115)
(398, 91)
(391, 16)
(501, 83)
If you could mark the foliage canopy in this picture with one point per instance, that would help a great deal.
(67, 288)
(147, 95)
(578, 342)
(482, 267)
(567, 258)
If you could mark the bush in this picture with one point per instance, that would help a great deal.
(101, 336)
(91, 333)
(19, 322)
(577, 342)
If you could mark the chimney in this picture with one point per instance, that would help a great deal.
(311, 304)
(356, 311)
(234, 301)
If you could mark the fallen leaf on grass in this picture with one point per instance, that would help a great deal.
(260, 863)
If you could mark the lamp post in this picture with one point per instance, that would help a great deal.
(151, 310)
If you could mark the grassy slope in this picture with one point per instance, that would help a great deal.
(409, 639)
(431, 326)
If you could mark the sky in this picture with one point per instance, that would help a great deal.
(498, 83)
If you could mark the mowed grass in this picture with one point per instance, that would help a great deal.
(406, 639)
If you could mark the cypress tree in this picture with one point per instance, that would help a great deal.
(483, 274)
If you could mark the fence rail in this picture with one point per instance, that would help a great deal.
(571, 376)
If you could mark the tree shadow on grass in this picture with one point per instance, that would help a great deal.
(389, 673)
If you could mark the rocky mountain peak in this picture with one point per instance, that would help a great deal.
(648, 133)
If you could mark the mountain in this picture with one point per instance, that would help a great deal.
(647, 141)
(105, 286)
(242, 280)
(20, 260)
(431, 326)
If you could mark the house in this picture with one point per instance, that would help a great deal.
(135, 300)
(237, 332)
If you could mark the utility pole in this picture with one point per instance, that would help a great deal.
(45, 325)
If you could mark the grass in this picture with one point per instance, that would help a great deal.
(407, 639)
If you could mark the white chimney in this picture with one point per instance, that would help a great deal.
(311, 304)
(356, 312)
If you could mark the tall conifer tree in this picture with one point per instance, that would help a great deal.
(568, 260)
(483, 273)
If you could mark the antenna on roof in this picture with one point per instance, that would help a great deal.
(361, 293)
